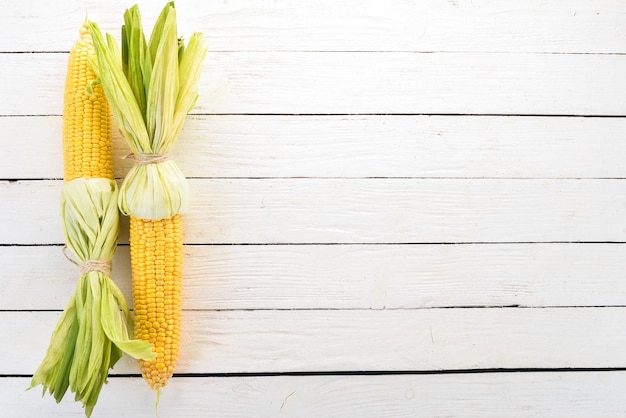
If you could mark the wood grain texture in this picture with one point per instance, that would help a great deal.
(348, 277)
(364, 340)
(462, 395)
(349, 83)
(275, 211)
(372, 25)
(353, 146)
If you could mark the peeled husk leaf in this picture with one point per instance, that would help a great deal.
(93, 331)
(150, 86)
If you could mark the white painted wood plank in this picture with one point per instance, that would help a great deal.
(352, 146)
(344, 82)
(348, 277)
(360, 211)
(581, 394)
(376, 340)
(296, 25)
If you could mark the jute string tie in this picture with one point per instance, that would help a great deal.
(143, 159)
(86, 266)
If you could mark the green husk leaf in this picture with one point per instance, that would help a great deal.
(169, 75)
(190, 68)
(124, 51)
(48, 372)
(154, 191)
(62, 380)
(132, 55)
(115, 327)
(82, 349)
(157, 30)
(163, 88)
(122, 101)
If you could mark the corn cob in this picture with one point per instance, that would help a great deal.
(92, 332)
(156, 258)
(86, 117)
(151, 87)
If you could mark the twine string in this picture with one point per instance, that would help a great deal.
(143, 159)
(96, 265)
(70, 259)
(85, 267)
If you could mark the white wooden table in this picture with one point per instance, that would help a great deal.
(400, 209)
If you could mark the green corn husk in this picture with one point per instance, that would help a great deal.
(94, 329)
(150, 87)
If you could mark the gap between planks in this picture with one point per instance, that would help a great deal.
(368, 372)
(421, 308)
(466, 114)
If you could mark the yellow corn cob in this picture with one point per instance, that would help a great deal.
(156, 250)
(86, 118)
(151, 86)
(93, 331)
